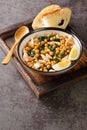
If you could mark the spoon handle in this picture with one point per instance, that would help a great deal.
(8, 57)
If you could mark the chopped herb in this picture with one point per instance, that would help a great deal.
(48, 39)
(52, 48)
(29, 52)
(32, 53)
(42, 38)
(41, 47)
(62, 55)
(57, 40)
(56, 59)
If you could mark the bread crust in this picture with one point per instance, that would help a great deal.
(61, 13)
(46, 11)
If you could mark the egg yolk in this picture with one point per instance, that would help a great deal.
(74, 53)
(63, 64)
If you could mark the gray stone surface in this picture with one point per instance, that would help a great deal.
(19, 109)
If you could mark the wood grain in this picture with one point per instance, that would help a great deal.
(38, 83)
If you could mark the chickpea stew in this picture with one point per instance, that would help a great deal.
(44, 52)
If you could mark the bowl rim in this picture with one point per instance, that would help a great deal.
(54, 72)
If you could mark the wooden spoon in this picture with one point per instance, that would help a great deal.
(18, 35)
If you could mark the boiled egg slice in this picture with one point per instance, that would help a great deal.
(74, 53)
(62, 65)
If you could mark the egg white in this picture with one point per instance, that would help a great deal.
(59, 67)
(74, 48)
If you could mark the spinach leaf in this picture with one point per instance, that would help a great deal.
(29, 52)
(41, 38)
(56, 59)
(32, 53)
(51, 48)
(62, 55)
(41, 47)
(57, 40)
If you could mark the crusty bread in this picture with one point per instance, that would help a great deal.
(52, 16)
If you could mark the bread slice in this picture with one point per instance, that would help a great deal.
(38, 22)
(52, 16)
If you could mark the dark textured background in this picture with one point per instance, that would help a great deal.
(19, 108)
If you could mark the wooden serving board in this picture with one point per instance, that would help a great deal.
(43, 84)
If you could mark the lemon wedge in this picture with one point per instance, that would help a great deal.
(62, 65)
(75, 52)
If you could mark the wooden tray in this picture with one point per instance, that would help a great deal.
(43, 84)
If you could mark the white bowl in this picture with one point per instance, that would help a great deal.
(42, 31)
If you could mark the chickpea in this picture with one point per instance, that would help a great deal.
(48, 66)
(64, 36)
(36, 56)
(60, 36)
(53, 62)
(51, 39)
(70, 47)
(69, 44)
(54, 37)
(45, 40)
(62, 41)
(57, 50)
(64, 48)
(45, 69)
(48, 35)
(61, 48)
(41, 64)
(37, 51)
(49, 62)
(42, 42)
(47, 51)
(39, 43)
(54, 33)
(54, 45)
(41, 69)
(46, 45)
(32, 45)
(27, 48)
(35, 43)
(43, 52)
(67, 47)
(66, 44)
(30, 64)
(68, 51)
(36, 47)
(51, 53)
(62, 51)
